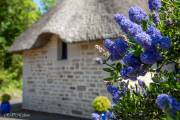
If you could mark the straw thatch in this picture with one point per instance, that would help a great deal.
(76, 21)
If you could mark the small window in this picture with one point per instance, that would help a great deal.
(62, 50)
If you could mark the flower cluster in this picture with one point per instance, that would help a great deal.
(154, 5)
(116, 92)
(154, 33)
(166, 102)
(127, 26)
(116, 48)
(156, 18)
(137, 15)
(138, 55)
(149, 40)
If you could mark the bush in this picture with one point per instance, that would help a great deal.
(101, 104)
(9, 83)
(5, 98)
(150, 40)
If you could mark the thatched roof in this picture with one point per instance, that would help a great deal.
(76, 21)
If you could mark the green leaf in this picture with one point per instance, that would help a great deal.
(108, 78)
(108, 69)
(144, 25)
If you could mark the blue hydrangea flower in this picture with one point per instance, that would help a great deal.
(137, 15)
(165, 43)
(154, 5)
(154, 33)
(155, 17)
(127, 26)
(144, 40)
(149, 56)
(130, 60)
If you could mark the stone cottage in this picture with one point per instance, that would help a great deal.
(59, 74)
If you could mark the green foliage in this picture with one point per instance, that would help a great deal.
(5, 98)
(9, 82)
(170, 26)
(137, 107)
(141, 105)
(113, 71)
(15, 17)
(2, 51)
(101, 104)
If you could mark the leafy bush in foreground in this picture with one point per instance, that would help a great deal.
(150, 40)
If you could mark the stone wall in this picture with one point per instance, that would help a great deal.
(62, 86)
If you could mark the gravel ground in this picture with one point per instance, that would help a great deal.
(18, 114)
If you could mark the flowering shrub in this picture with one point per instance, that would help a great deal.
(149, 40)
(5, 106)
(101, 104)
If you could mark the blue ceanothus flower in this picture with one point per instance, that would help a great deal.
(120, 45)
(141, 83)
(127, 26)
(165, 101)
(129, 73)
(137, 15)
(154, 5)
(130, 60)
(155, 17)
(165, 43)
(144, 40)
(150, 56)
(108, 44)
(154, 33)
(116, 93)
(116, 48)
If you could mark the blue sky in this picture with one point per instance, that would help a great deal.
(38, 3)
